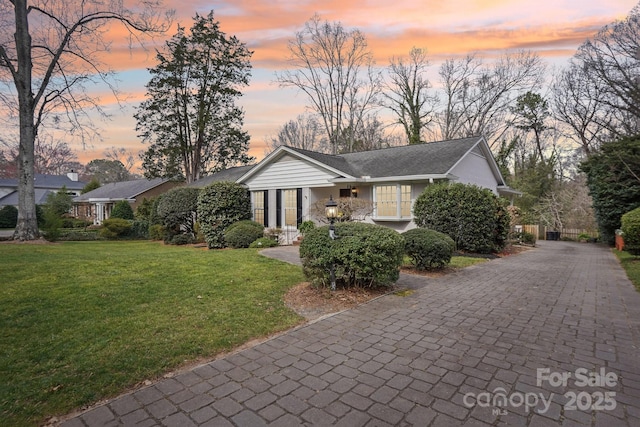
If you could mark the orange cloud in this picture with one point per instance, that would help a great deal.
(446, 28)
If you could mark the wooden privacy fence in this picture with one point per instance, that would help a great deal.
(546, 233)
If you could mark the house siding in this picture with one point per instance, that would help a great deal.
(289, 172)
(474, 169)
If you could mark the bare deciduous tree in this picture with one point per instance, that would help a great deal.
(408, 94)
(126, 157)
(49, 53)
(476, 97)
(304, 132)
(577, 103)
(53, 157)
(334, 68)
(612, 60)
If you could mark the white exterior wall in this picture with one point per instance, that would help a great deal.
(289, 172)
(474, 169)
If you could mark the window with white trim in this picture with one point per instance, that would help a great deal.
(392, 201)
(258, 206)
(290, 207)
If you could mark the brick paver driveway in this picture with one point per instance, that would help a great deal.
(548, 337)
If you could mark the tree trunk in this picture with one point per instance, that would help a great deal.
(27, 226)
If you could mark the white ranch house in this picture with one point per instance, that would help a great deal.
(285, 184)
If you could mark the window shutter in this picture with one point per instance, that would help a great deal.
(278, 208)
(298, 206)
(266, 208)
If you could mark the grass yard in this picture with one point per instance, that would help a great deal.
(82, 321)
(631, 265)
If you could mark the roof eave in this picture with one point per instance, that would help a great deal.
(504, 189)
(397, 178)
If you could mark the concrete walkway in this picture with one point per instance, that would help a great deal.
(550, 337)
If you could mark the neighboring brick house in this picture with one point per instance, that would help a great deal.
(96, 205)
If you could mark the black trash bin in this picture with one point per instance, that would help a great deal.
(553, 235)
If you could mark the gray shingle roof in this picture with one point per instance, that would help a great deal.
(55, 182)
(338, 162)
(41, 195)
(121, 190)
(420, 159)
(231, 174)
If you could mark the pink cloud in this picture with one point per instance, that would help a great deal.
(446, 28)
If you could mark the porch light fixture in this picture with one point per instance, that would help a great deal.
(354, 192)
(331, 211)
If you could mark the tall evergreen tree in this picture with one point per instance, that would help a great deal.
(613, 178)
(190, 118)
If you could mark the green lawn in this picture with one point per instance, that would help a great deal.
(631, 265)
(82, 321)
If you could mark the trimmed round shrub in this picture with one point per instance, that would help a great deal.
(241, 236)
(264, 242)
(631, 229)
(113, 228)
(364, 255)
(428, 249)
(177, 210)
(8, 216)
(248, 222)
(220, 205)
(122, 210)
(475, 218)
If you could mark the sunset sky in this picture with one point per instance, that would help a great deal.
(446, 28)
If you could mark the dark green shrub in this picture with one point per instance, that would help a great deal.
(123, 210)
(67, 222)
(249, 222)
(306, 226)
(241, 236)
(91, 185)
(220, 205)
(143, 210)
(364, 255)
(113, 228)
(40, 215)
(59, 203)
(52, 224)
(181, 239)
(525, 237)
(177, 210)
(154, 218)
(77, 235)
(428, 249)
(156, 232)
(8, 217)
(631, 229)
(81, 223)
(139, 229)
(264, 242)
(475, 218)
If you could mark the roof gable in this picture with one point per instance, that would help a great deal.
(332, 164)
